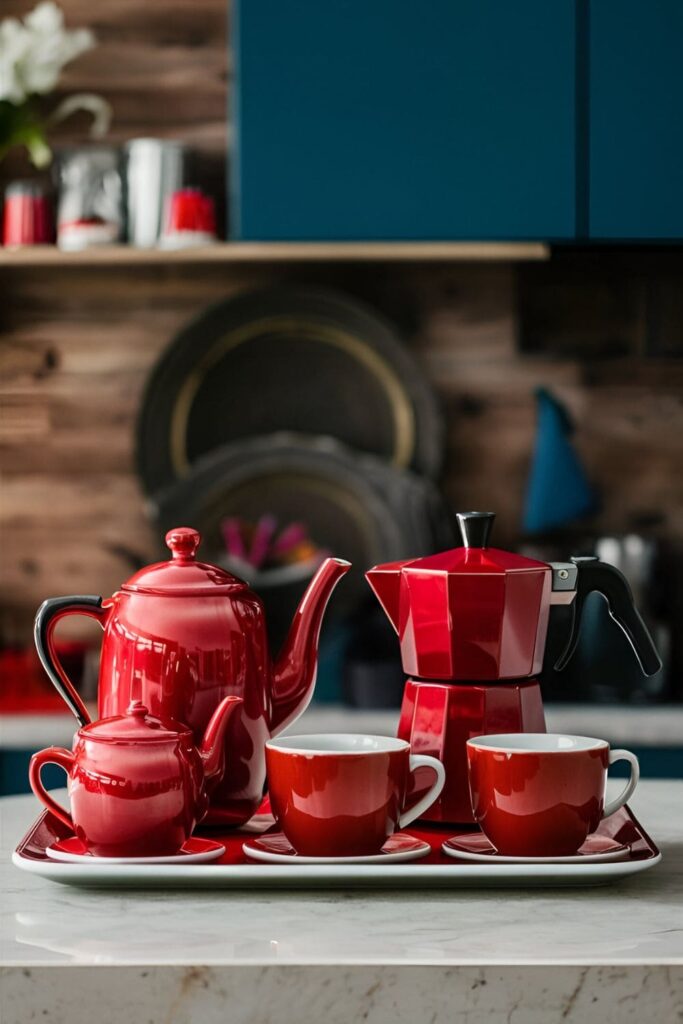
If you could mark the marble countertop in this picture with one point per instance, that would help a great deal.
(608, 955)
(637, 922)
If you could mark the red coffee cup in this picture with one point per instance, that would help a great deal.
(541, 794)
(344, 794)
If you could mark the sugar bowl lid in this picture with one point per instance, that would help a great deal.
(134, 726)
(183, 575)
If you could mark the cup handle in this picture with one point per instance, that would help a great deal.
(627, 791)
(51, 755)
(424, 761)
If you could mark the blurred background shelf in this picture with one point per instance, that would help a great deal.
(653, 726)
(266, 252)
(653, 733)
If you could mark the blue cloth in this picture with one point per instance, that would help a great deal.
(558, 489)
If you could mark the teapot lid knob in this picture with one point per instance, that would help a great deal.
(183, 542)
(137, 709)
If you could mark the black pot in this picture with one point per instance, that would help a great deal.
(354, 506)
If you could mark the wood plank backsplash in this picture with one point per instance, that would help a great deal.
(77, 345)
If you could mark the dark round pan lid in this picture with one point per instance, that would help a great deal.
(303, 360)
(355, 507)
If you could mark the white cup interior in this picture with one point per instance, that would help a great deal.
(536, 742)
(337, 743)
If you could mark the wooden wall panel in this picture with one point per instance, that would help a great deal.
(76, 348)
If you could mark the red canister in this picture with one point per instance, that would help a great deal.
(28, 218)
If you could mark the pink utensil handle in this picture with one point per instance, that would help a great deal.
(49, 614)
(432, 794)
(51, 755)
(263, 534)
(627, 791)
(292, 535)
(232, 538)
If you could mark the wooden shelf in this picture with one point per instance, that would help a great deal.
(267, 252)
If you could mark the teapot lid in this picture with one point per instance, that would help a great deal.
(475, 555)
(183, 575)
(136, 725)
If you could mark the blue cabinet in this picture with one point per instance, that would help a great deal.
(391, 119)
(636, 119)
(458, 119)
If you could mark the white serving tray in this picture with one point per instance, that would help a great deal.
(235, 871)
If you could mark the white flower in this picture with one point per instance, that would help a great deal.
(13, 47)
(33, 54)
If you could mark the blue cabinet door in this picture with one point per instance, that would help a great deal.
(636, 119)
(391, 119)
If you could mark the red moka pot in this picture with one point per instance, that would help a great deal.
(472, 624)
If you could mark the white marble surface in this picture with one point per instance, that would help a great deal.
(645, 726)
(611, 954)
(639, 921)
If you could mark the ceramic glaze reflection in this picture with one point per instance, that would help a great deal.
(438, 719)
(154, 810)
(470, 613)
(536, 795)
(182, 635)
(466, 620)
(199, 655)
(472, 625)
(137, 784)
(342, 795)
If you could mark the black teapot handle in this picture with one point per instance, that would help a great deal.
(47, 617)
(594, 575)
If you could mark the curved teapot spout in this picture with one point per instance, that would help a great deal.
(212, 747)
(295, 670)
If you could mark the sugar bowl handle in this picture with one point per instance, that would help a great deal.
(51, 755)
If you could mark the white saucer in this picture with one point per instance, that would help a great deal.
(475, 846)
(194, 851)
(276, 849)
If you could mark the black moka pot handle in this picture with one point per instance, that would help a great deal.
(594, 575)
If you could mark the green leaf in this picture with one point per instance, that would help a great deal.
(21, 125)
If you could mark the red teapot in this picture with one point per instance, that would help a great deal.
(137, 784)
(180, 636)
